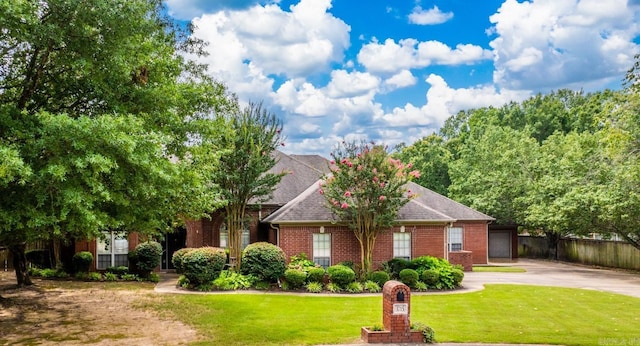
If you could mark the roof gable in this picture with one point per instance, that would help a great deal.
(428, 206)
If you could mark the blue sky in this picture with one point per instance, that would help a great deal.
(393, 71)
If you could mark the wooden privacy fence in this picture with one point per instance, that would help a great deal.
(605, 253)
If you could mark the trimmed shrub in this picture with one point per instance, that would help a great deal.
(395, 265)
(409, 277)
(202, 265)
(458, 275)
(379, 277)
(341, 275)
(295, 277)
(146, 257)
(430, 277)
(264, 260)
(177, 257)
(119, 270)
(82, 261)
(315, 274)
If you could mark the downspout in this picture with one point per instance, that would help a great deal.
(446, 240)
(277, 228)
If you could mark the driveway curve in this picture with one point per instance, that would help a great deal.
(550, 273)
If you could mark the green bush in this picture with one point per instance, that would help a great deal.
(110, 277)
(458, 275)
(129, 277)
(341, 275)
(379, 277)
(315, 274)
(354, 287)
(421, 286)
(409, 277)
(183, 282)
(428, 334)
(314, 287)
(230, 280)
(95, 276)
(119, 270)
(372, 286)
(202, 265)
(82, 261)
(300, 261)
(430, 277)
(146, 257)
(34, 271)
(262, 285)
(394, 266)
(295, 277)
(177, 257)
(334, 288)
(264, 260)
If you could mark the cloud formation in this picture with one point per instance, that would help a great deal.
(550, 44)
(304, 64)
(429, 17)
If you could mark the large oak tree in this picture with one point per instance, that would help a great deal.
(97, 106)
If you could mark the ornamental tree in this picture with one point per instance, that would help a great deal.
(365, 190)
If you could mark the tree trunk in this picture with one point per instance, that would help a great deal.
(20, 264)
(552, 240)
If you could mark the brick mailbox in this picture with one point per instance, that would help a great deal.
(396, 309)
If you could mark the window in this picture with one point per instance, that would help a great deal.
(112, 250)
(224, 236)
(402, 245)
(455, 239)
(322, 249)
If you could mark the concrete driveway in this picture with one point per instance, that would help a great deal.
(550, 273)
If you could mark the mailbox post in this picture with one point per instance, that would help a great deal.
(396, 311)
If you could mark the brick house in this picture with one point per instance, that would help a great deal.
(296, 219)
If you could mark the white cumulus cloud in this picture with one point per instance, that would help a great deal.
(543, 44)
(429, 17)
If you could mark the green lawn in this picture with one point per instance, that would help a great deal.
(498, 269)
(498, 314)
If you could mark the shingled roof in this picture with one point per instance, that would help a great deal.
(427, 207)
(304, 171)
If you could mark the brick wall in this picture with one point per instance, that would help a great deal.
(425, 240)
(475, 239)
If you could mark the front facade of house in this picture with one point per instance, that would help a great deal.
(295, 218)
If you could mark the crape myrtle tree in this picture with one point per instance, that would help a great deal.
(97, 104)
(244, 173)
(365, 191)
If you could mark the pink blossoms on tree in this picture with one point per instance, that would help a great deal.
(365, 191)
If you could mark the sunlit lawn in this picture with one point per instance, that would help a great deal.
(498, 269)
(498, 314)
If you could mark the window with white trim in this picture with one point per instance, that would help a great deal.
(322, 249)
(402, 245)
(455, 239)
(112, 250)
(224, 236)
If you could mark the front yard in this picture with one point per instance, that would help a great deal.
(131, 313)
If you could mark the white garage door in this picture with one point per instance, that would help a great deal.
(500, 244)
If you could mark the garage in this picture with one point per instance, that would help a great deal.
(500, 244)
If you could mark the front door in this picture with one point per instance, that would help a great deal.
(173, 242)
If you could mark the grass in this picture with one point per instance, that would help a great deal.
(498, 269)
(498, 314)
